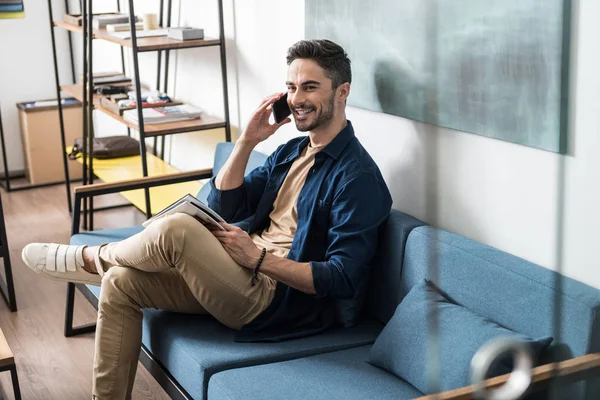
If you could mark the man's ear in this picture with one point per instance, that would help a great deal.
(344, 91)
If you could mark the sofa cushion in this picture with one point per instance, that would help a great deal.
(404, 344)
(383, 294)
(515, 293)
(340, 375)
(96, 238)
(194, 347)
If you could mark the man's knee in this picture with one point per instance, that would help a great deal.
(117, 282)
(175, 224)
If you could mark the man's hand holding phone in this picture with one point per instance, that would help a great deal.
(259, 128)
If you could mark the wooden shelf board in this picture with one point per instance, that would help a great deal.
(143, 43)
(150, 130)
(126, 168)
(76, 91)
(204, 123)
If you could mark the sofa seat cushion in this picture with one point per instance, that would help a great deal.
(194, 347)
(95, 238)
(340, 375)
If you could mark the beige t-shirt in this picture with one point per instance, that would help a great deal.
(279, 235)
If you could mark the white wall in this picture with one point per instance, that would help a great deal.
(499, 193)
(26, 69)
(495, 192)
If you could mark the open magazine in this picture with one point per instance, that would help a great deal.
(190, 205)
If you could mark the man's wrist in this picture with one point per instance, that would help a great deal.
(254, 257)
(246, 144)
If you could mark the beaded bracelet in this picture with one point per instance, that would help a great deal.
(257, 268)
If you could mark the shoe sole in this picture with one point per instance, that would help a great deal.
(32, 267)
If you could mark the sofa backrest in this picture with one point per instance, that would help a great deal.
(383, 294)
(508, 290)
(222, 153)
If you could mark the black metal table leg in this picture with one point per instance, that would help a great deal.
(15, 382)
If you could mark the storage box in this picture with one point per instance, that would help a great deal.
(186, 33)
(42, 148)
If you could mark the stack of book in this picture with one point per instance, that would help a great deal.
(100, 21)
(11, 9)
(162, 115)
(123, 27)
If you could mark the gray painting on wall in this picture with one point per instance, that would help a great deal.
(492, 67)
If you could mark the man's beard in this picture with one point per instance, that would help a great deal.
(323, 117)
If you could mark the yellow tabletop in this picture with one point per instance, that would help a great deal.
(119, 169)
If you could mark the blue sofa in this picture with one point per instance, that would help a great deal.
(196, 357)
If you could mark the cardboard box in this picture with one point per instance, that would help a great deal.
(40, 135)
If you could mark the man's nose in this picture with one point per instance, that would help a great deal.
(297, 98)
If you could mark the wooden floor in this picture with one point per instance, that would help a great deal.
(49, 365)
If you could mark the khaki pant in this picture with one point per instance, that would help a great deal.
(175, 264)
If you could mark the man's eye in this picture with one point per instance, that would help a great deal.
(310, 87)
(291, 88)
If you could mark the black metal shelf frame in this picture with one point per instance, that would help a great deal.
(158, 371)
(87, 103)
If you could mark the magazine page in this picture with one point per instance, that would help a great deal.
(207, 210)
(190, 205)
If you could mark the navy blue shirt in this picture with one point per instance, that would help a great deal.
(340, 208)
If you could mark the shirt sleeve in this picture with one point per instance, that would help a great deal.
(236, 204)
(359, 207)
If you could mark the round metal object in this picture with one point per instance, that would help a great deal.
(519, 379)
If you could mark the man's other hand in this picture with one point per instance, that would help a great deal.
(238, 244)
(259, 128)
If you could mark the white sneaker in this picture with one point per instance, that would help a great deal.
(59, 262)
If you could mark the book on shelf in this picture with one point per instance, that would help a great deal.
(141, 34)
(102, 78)
(123, 27)
(111, 79)
(161, 115)
(119, 103)
(75, 19)
(190, 205)
(100, 21)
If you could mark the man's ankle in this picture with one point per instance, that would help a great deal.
(89, 262)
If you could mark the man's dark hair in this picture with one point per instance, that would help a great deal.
(329, 55)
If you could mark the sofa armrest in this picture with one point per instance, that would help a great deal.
(572, 370)
(141, 183)
(99, 189)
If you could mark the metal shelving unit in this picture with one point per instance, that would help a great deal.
(90, 102)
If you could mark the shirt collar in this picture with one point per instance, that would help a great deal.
(334, 148)
(339, 143)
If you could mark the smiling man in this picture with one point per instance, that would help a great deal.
(313, 211)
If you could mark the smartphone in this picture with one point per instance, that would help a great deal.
(281, 110)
